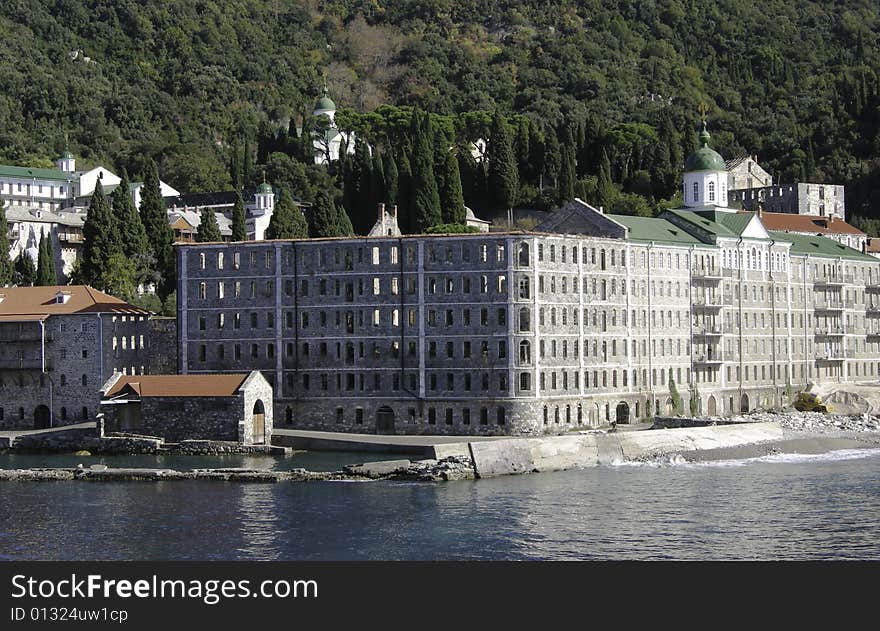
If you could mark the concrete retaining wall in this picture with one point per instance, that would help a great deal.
(556, 453)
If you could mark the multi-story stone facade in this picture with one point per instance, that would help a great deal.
(58, 345)
(530, 333)
(801, 198)
(590, 319)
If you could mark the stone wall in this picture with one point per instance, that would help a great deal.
(179, 418)
(162, 346)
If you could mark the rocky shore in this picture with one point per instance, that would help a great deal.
(446, 469)
(799, 422)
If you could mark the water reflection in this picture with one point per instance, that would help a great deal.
(759, 510)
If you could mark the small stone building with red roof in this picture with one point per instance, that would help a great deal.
(225, 407)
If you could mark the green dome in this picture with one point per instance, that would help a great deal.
(264, 188)
(66, 155)
(324, 103)
(704, 158)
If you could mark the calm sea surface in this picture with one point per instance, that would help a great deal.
(776, 507)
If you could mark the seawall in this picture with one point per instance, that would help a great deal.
(555, 453)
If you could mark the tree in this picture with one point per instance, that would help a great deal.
(695, 400)
(552, 156)
(132, 235)
(208, 230)
(605, 192)
(674, 395)
(567, 173)
(425, 200)
(6, 267)
(119, 277)
(159, 232)
(46, 276)
(287, 220)
(343, 222)
(391, 180)
(239, 227)
(324, 217)
(99, 240)
(25, 272)
(503, 176)
(451, 197)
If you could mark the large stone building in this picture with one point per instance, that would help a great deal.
(586, 320)
(831, 227)
(801, 198)
(58, 345)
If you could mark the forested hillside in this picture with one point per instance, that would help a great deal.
(215, 90)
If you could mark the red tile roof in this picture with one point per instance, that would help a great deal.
(786, 222)
(27, 302)
(179, 385)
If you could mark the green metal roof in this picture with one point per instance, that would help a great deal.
(35, 173)
(714, 222)
(264, 188)
(654, 229)
(704, 158)
(820, 246)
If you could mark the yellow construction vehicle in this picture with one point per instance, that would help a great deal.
(809, 402)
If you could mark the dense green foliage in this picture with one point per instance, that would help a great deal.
(451, 228)
(99, 240)
(133, 236)
(159, 233)
(46, 275)
(208, 230)
(239, 225)
(213, 90)
(287, 221)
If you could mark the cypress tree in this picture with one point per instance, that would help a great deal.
(25, 272)
(42, 264)
(404, 194)
(132, 235)
(567, 173)
(391, 180)
(605, 192)
(343, 223)
(239, 227)
(287, 221)
(503, 176)
(523, 135)
(208, 230)
(50, 257)
(552, 156)
(247, 165)
(159, 233)
(425, 200)
(363, 211)
(451, 196)
(377, 183)
(99, 244)
(6, 267)
(324, 217)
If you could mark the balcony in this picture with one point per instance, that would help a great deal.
(707, 302)
(703, 359)
(712, 274)
(829, 330)
(873, 335)
(828, 306)
(830, 357)
(833, 282)
(70, 237)
(707, 331)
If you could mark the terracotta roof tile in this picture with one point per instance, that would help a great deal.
(787, 222)
(28, 301)
(179, 385)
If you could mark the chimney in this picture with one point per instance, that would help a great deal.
(760, 210)
(381, 211)
(394, 211)
(602, 210)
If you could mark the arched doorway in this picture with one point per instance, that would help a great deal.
(41, 417)
(259, 423)
(670, 408)
(384, 420)
(712, 406)
(744, 403)
(622, 413)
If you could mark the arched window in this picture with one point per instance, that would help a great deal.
(523, 254)
(525, 352)
(696, 192)
(524, 287)
(525, 319)
(85, 380)
(711, 191)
